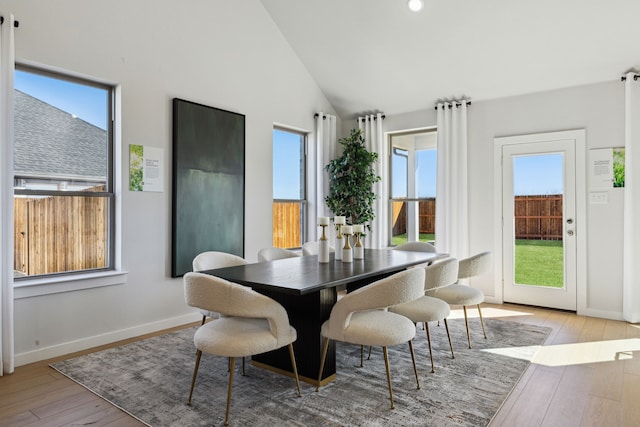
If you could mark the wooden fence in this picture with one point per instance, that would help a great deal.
(286, 224)
(59, 233)
(536, 217)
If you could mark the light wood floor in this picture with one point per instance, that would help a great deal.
(587, 374)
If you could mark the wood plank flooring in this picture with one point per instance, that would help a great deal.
(586, 374)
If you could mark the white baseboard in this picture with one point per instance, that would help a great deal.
(602, 314)
(107, 338)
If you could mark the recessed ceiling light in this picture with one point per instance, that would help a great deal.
(415, 5)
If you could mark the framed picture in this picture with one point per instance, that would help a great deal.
(208, 183)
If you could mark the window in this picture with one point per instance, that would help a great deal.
(63, 174)
(413, 187)
(289, 197)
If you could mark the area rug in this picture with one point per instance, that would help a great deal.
(150, 379)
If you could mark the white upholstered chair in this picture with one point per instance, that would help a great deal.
(272, 253)
(214, 259)
(464, 295)
(415, 247)
(428, 309)
(312, 248)
(360, 317)
(252, 324)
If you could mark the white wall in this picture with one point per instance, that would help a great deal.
(225, 54)
(599, 109)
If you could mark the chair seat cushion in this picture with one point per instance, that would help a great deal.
(424, 309)
(458, 294)
(237, 337)
(374, 327)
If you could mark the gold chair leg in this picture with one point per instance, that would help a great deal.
(446, 325)
(295, 368)
(386, 363)
(466, 323)
(413, 359)
(232, 365)
(482, 322)
(324, 355)
(195, 374)
(426, 328)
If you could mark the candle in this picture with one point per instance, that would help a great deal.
(346, 229)
(339, 220)
(358, 228)
(323, 220)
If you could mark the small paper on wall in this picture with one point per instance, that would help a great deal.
(146, 168)
(600, 168)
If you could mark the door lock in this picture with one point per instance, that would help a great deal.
(570, 232)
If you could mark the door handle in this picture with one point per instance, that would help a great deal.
(570, 221)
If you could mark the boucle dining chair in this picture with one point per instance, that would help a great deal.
(415, 247)
(214, 259)
(252, 323)
(428, 309)
(312, 248)
(361, 318)
(272, 253)
(464, 295)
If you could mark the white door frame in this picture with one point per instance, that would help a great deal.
(579, 136)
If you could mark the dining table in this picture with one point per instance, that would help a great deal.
(308, 290)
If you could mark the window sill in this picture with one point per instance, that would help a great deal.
(77, 282)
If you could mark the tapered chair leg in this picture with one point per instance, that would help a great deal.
(426, 328)
(295, 368)
(361, 356)
(322, 358)
(482, 322)
(369, 357)
(204, 319)
(195, 374)
(386, 363)
(415, 368)
(446, 325)
(243, 366)
(232, 365)
(466, 323)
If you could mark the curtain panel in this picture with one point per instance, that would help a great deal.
(326, 150)
(631, 269)
(371, 127)
(452, 224)
(7, 65)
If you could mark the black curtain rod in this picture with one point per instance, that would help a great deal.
(369, 118)
(16, 24)
(316, 115)
(458, 104)
(635, 77)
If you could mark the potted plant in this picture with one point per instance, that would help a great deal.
(351, 178)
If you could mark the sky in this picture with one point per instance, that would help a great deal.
(86, 102)
(540, 174)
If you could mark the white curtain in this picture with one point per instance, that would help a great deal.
(631, 271)
(326, 150)
(452, 225)
(6, 195)
(371, 127)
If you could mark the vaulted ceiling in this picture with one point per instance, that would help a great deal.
(377, 55)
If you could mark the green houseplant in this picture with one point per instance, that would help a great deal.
(351, 178)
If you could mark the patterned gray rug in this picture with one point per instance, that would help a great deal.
(150, 379)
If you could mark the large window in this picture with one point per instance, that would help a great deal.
(289, 197)
(63, 174)
(413, 187)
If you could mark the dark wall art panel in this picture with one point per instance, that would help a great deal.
(208, 183)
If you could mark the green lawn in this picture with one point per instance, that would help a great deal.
(538, 262)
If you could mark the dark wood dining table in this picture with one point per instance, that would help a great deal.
(308, 290)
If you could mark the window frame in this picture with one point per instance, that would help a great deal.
(406, 199)
(75, 277)
(303, 201)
